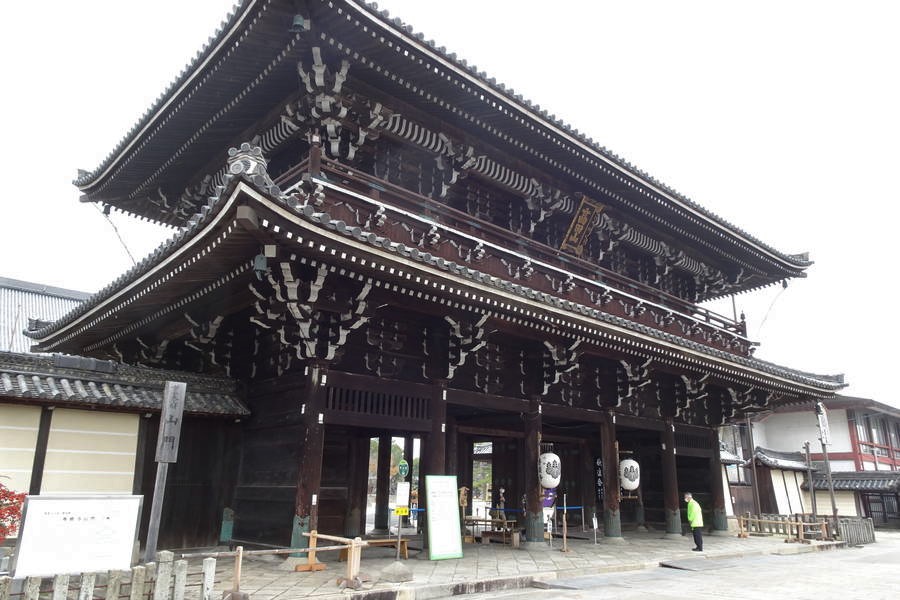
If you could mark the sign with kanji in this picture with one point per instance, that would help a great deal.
(402, 511)
(583, 223)
(170, 422)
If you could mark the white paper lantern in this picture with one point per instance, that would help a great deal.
(629, 474)
(549, 470)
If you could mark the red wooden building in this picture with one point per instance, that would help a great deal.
(376, 239)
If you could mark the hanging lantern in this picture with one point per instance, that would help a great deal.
(629, 474)
(549, 470)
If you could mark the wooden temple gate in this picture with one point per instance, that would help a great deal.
(375, 240)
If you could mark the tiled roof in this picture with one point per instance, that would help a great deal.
(727, 458)
(310, 213)
(23, 300)
(860, 481)
(91, 383)
(789, 461)
(414, 38)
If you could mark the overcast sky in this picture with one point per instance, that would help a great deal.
(782, 117)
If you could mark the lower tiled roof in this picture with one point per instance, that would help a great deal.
(89, 383)
(790, 461)
(860, 481)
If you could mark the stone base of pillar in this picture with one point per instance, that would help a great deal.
(642, 529)
(612, 523)
(299, 526)
(613, 539)
(534, 527)
(673, 522)
(533, 545)
(720, 519)
(378, 531)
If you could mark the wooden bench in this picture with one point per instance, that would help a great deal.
(386, 542)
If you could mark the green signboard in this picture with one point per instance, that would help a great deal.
(403, 468)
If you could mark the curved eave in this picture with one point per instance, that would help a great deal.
(232, 28)
(193, 243)
(562, 130)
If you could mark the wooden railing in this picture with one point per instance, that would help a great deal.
(166, 579)
(856, 530)
(353, 547)
(402, 199)
(795, 528)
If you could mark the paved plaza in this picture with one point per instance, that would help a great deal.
(494, 568)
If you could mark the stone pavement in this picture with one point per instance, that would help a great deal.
(489, 567)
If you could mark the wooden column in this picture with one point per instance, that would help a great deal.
(358, 486)
(437, 442)
(451, 466)
(612, 518)
(670, 480)
(310, 472)
(586, 481)
(40, 451)
(382, 485)
(720, 519)
(534, 523)
(436, 452)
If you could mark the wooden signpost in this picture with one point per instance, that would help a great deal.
(166, 452)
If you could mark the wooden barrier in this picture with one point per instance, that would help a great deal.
(165, 580)
(856, 530)
(795, 529)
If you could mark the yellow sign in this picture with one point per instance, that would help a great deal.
(583, 223)
(401, 511)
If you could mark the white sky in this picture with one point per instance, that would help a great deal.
(782, 117)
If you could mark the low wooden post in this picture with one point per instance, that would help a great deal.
(353, 559)
(180, 580)
(238, 564)
(61, 587)
(138, 579)
(161, 590)
(5, 584)
(87, 586)
(32, 588)
(209, 578)
(114, 584)
(311, 563)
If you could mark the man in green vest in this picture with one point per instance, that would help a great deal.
(695, 519)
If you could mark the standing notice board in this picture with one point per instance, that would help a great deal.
(76, 534)
(444, 535)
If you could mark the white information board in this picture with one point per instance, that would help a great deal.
(76, 534)
(442, 510)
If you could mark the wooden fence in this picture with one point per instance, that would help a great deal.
(797, 528)
(167, 579)
(856, 530)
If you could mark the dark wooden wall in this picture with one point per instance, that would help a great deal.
(270, 455)
(199, 486)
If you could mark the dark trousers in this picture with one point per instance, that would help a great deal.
(698, 537)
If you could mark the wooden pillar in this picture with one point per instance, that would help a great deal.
(720, 519)
(358, 484)
(40, 451)
(451, 466)
(382, 485)
(612, 517)
(534, 522)
(671, 506)
(436, 451)
(310, 472)
(586, 481)
(437, 442)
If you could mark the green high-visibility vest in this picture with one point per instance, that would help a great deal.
(694, 514)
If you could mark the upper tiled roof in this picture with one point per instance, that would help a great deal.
(23, 300)
(557, 127)
(89, 383)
